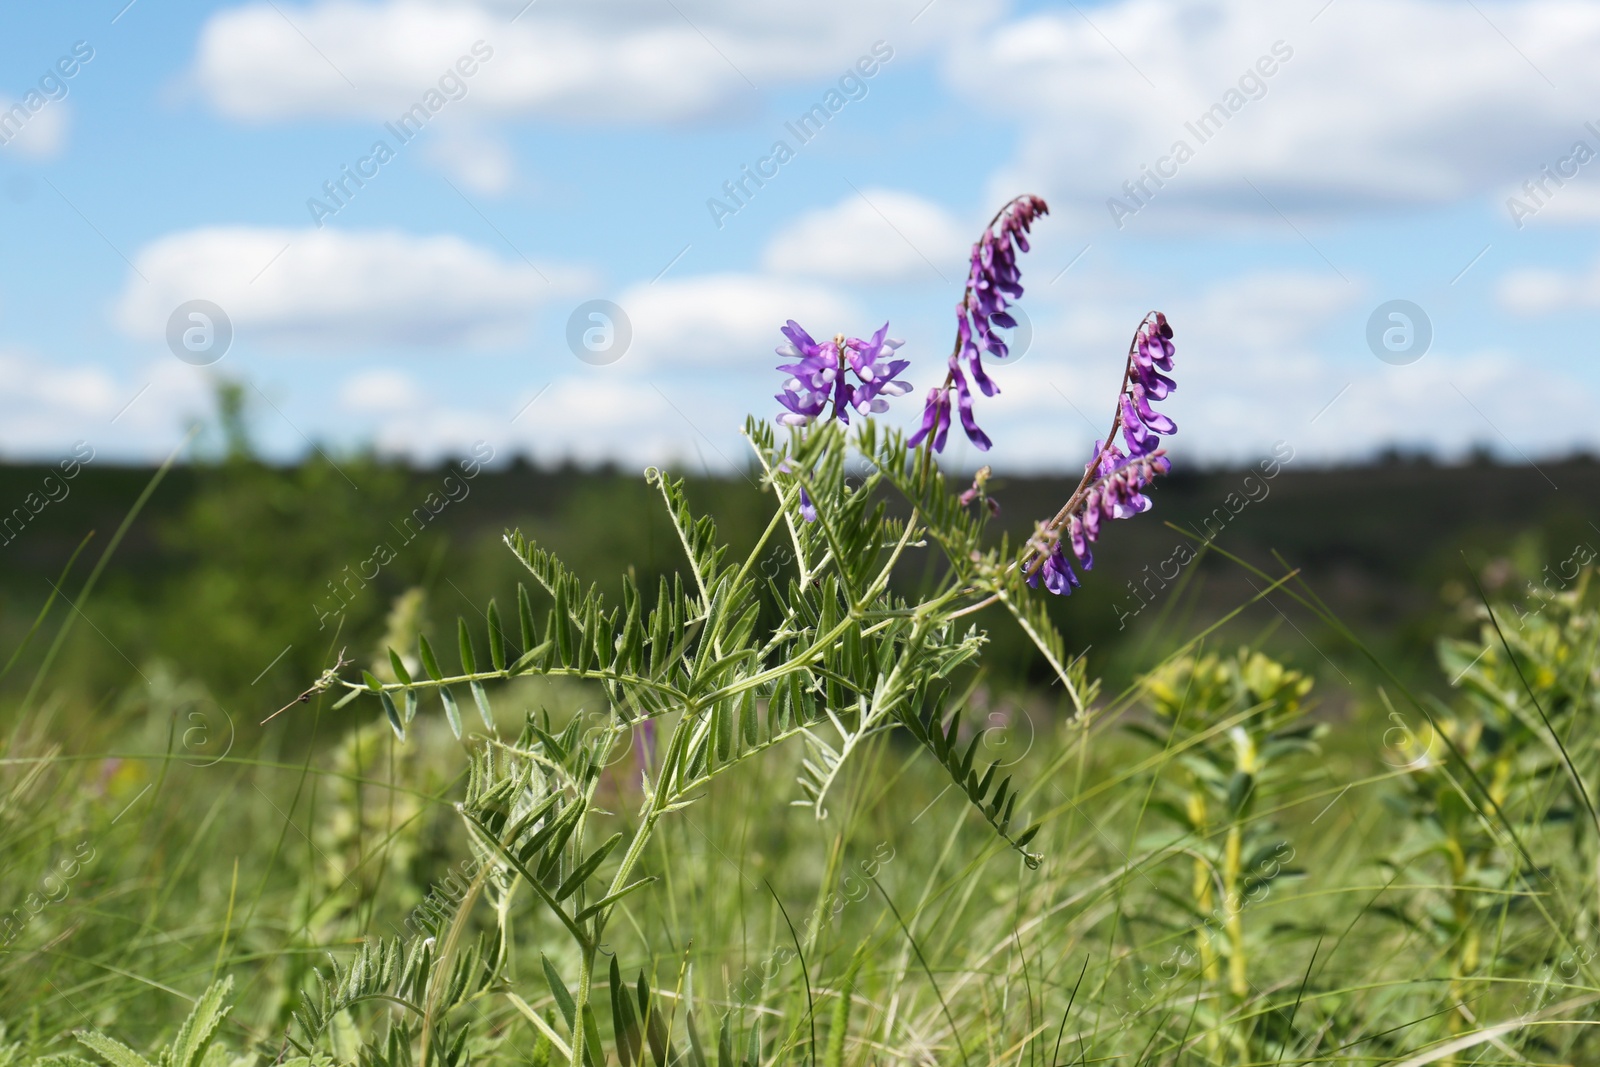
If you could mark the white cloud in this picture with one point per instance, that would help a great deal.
(36, 135)
(46, 406)
(1576, 202)
(1267, 310)
(590, 419)
(1377, 104)
(381, 390)
(75, 392)
(1448, 403)
(728, 320)
(332, 287)
(701, 358)
(480, 161)
(878, 235)
(1540, 291)
(602, 417)
(630, 61)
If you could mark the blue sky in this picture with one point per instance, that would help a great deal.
(1362, 151)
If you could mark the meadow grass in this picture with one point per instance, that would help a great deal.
(1224, 874)
(256, 867)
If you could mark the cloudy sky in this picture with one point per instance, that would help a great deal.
(405, 210)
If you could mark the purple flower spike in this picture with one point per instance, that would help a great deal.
(993, 282)
(871, 360)
(820, 373)
(1114, 481)
(1157, 422)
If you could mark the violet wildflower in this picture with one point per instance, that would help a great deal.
(808, 510)
(1056, 569)
(993, 281)
(822, 370)
(935, 419)
(1114, 481)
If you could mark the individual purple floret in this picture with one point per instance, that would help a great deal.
(993, 281)
(1056, 572)
(808, 510)
(821, 372)
(935, 419)
(1114, 481)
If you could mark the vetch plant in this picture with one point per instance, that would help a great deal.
(731, 659)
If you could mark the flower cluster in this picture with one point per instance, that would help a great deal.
(1114, 481)
(829, 379)
(993, 281)
(822, 370)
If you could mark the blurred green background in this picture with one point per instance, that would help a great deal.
(248, 578)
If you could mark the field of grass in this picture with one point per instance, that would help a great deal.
(1253, 847)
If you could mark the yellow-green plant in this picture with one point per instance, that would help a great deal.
(1234, 725)
(1497, 786)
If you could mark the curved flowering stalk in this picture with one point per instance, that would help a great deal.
(1114, 480)
(993, 281)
